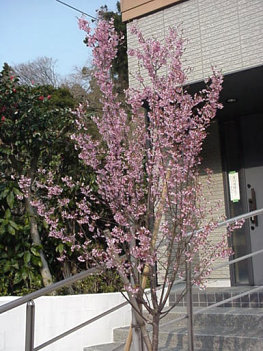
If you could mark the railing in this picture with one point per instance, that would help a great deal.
(190, 311)
(30, 310)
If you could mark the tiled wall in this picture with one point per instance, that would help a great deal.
(214, 193)
(216, 295)
(225, 33)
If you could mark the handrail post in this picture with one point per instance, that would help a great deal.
(190, 329)
(30, 326)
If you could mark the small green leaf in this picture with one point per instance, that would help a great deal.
(8, 214)
(10, 199)
(17, 192)
(31, 276)
(4, 193)
(14, 225)
(24, 274)
(11, 230)
(45, 225)
(15, 265)
(17, 278)
(60, 248)
(34, 251)
(27, 257)
(36, 261)
(6, 267)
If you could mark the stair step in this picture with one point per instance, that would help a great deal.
(213, 338)
(108, 347)
(223, 329)
(227, 316)
(228, 328)
(105, 347)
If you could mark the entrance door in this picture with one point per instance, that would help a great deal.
(242, 142)
(251, 129)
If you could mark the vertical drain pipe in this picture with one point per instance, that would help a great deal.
(30, 326)
(190, 329)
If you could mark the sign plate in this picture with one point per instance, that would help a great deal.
(234, 186)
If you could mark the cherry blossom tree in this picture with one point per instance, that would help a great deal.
(146, 167)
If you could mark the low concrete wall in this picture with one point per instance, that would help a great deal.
(56, 314)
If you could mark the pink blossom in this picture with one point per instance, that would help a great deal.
(147, 169)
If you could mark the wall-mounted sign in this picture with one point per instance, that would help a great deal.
(234, 186)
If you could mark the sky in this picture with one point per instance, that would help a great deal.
(35, 28)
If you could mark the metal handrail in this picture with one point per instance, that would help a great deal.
(258, 288)
(231, 220)
(242, 258)
(240, 217)
(225, 223)
(82, 275)
(49, 289)
(82, 325)
(190, 311)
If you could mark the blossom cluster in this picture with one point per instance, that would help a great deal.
(142, 158)
(146, 166)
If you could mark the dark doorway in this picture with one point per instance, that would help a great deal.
(241, 131)
(241, 124)
(252, 137)
(243, 155)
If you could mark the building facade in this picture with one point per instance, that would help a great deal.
(227, 34)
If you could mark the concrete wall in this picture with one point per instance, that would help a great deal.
(56, 314)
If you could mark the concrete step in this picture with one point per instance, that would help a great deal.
(105, 347)
(207, 339)
(213, 338)
(225, 316)
(120, 347)
(222, 329)
(235, 326)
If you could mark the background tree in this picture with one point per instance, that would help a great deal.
(35, 128)
(36, 80)
(20, 260)
(41, 71)
(31, 122)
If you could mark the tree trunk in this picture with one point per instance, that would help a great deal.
(66, 271)
(155, 335)
(44, 270)
(137, 339)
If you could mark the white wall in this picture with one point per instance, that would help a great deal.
(56, 314)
